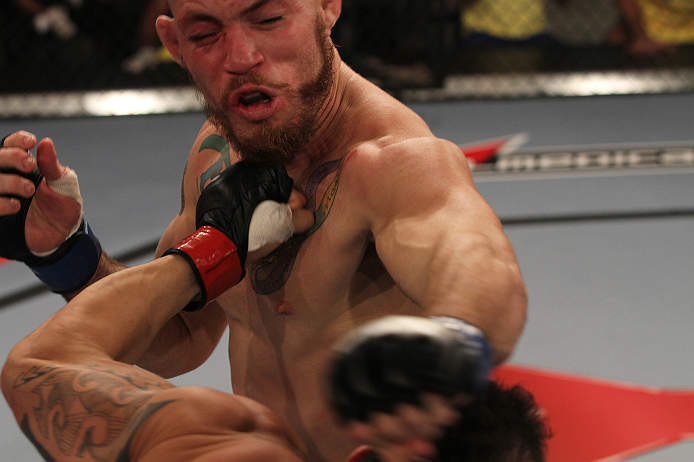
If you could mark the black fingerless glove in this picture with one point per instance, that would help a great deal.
(217, 250)
(66, 269)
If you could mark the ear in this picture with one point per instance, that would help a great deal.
(331, 11)
(166, 30)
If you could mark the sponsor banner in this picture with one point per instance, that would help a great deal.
(589, 158)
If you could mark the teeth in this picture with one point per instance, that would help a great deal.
(257, 97)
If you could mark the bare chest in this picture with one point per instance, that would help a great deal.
(328, 275)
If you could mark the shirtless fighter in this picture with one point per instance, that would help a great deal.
(77, 397)
(399, 226)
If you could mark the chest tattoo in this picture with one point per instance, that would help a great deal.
(269, 274)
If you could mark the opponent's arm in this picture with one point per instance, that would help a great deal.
(190, 337)
(81, 358)
(117, 318)
(72, 358)
(442, 243)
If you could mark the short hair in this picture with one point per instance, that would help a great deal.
(501, 425)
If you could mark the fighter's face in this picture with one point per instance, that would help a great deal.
(264, 68)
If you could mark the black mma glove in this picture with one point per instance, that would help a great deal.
(13, 243)
(66, 269)
(217, 250)
(396, 358)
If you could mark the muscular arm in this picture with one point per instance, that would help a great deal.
(65, 368)
(76, 396)
(441, 241)
(188, 339)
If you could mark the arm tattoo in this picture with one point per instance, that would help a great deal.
(183, 190)
(87, 412)
(219, 144)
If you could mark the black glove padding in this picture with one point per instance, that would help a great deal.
(229, 201)
(13, 244)
(396, 358)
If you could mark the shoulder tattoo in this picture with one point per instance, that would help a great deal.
(269, 274)
(88, 413)
(219, 144)
(183, 190)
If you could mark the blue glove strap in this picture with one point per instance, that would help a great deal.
(475, 340)
(76, 268)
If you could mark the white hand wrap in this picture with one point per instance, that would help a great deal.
(66, 185)
(271, 222)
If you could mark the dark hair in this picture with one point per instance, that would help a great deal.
(501, 425)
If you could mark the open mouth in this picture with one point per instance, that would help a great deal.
(254, 98)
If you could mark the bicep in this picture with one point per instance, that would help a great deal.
(437, 239)
(433, 222)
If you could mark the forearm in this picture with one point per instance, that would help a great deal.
(481, 283)
(106, 267)
(119, 316)
(470, 276)
(185, 342)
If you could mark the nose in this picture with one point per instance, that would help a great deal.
(241, 52)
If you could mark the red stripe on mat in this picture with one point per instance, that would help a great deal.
(3, 261)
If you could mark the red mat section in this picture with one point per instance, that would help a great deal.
(596, 420)
(3, 261)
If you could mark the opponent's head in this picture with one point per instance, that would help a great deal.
(265, 68)
(502, 425)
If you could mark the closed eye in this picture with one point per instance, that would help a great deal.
(269, 21)
(201, 37)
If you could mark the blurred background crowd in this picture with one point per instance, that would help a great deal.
(68, 45)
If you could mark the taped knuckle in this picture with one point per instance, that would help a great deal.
(67, 185)
(271, 223)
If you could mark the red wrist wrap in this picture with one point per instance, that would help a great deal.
(216, 259)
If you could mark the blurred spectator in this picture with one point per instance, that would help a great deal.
(150, 52)
(653, 27)
(505, 22)
(505, 35)
(387, 41)
(51, 16)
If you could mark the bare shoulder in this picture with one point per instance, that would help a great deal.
(209, 155)
(210, 147)
(416, 177)
(407, 163)
(213, 426)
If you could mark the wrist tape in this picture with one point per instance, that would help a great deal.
(214, 260)
(475, 341)
(67, 185)
(73, 264)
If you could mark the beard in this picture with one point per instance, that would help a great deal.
(283, 143)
